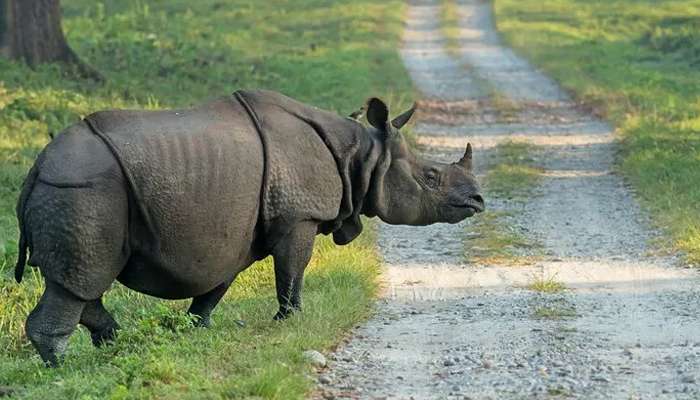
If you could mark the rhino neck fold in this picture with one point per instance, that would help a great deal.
(354, 157)
(365, 168)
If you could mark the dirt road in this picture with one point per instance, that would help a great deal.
(626, 327)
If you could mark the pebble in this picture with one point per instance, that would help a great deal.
(324, 379)
(315, 358)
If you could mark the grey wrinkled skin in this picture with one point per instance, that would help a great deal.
(176, 203)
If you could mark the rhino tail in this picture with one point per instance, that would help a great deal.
(21, 257)
(27, 188)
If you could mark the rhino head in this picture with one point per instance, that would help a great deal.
(408, 190)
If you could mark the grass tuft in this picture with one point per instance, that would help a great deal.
(496, 242)
(511, 179)
(515, 175)
(547, 285)
(555, 312)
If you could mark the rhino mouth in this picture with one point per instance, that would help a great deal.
(471, 204)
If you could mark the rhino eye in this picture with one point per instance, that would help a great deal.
(432, 178)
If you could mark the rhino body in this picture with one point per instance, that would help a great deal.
(176, 203)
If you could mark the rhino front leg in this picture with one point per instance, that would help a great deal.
(203, 305)
(291, 255)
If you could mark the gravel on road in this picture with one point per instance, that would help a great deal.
(627, 325)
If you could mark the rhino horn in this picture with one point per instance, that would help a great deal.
(466, 160)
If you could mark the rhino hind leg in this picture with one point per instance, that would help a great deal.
(78, 237)
(52, 322)
(203, 305)
(102, 326)
(291, 255)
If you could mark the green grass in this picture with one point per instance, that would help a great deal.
(548, 285)
(161, 54)
(495, 242)
(159, 354)
(559, 391)
(508, 109)
(511, 179)
(515, 174)
(636, 63)
(555, 312)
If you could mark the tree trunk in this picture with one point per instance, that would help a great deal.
(30, 30)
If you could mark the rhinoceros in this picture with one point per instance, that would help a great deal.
(176, 203)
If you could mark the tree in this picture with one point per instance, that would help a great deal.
(30, 30)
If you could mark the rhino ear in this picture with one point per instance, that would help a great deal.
(378, 114)
(402, 119)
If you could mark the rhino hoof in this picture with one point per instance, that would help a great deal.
(105, 336)
(284, 313)
(201, 322)
(281, 315)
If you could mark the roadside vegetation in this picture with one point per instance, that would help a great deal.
(509, 182)
(636, 64)
(332, 54)
(546, 284)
